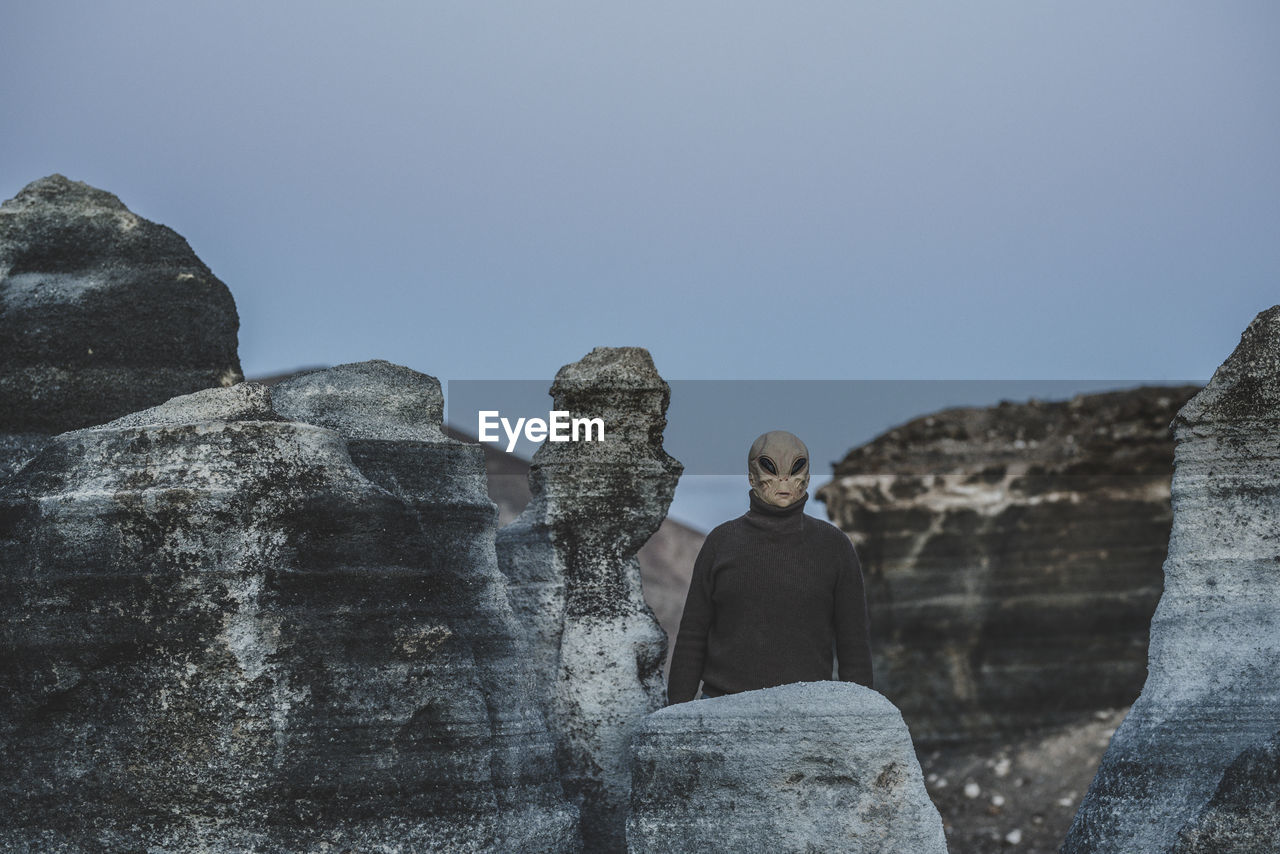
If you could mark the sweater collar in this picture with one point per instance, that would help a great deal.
(767, 517)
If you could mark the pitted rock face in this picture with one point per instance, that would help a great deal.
(575, 582)
(1211, 694)
(222, 636)
(374, 400)
(102, 313)
(814, 766)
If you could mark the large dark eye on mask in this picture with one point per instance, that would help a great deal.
(795, 469)
(767, 465)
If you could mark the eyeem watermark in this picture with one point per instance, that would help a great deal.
(558, 427)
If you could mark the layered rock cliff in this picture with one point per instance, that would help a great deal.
(1211, 694)
(102, 313)
(224, 632)
(575, 582)
(1012, 557)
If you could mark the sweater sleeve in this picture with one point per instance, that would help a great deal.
(852, 624)
(691, 641)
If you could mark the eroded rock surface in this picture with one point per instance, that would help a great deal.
(809, 767)
(1012, 556)
(575, 582)
(1243, 816)
(102, 313)
(1211, 693)
(222, 634)
(390, 416)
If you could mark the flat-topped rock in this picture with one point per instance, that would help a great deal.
(809, 767)
(374, 400)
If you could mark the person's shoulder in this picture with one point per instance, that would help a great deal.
(824, 532)
(823, 528)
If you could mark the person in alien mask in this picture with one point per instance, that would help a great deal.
(772, 591)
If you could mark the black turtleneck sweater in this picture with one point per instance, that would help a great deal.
(770, 592)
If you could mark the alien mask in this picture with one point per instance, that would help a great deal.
(778, 468)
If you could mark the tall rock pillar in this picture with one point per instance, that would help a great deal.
(1211, 692)
(575, 580)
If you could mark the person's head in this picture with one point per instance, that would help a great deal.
(778, 468)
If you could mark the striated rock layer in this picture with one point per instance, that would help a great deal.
(1012, 556)
(815, 766)
(575, 582)
(391, 418)
(1243, 816)
(223, 634)
(1211, 692)
(102, 313)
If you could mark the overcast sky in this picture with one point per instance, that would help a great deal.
(1063, 191)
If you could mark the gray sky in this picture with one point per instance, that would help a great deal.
(1008, 191)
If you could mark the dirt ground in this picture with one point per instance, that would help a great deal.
(1017, 795)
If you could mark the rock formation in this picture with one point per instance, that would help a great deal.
(1012, 556)
(391, 418)
(1211, 692)
(1243, 816)
(575, 583)
(102, 313)
(222, 635)
(666, 558)
(815, 766)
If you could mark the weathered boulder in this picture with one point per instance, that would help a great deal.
(102, 313)
(220, 634)
(1012, 556)
(1211, 692)
(809, 767)
(575, 582)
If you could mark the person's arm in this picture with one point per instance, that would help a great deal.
(691, 640)
(852, 624)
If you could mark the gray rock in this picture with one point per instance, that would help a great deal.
(1243, 816)
(102, 313)
(575, 582)
(809, 767)
(1211, 692)
(221, 635)
(391, 418)
(1012, 556)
